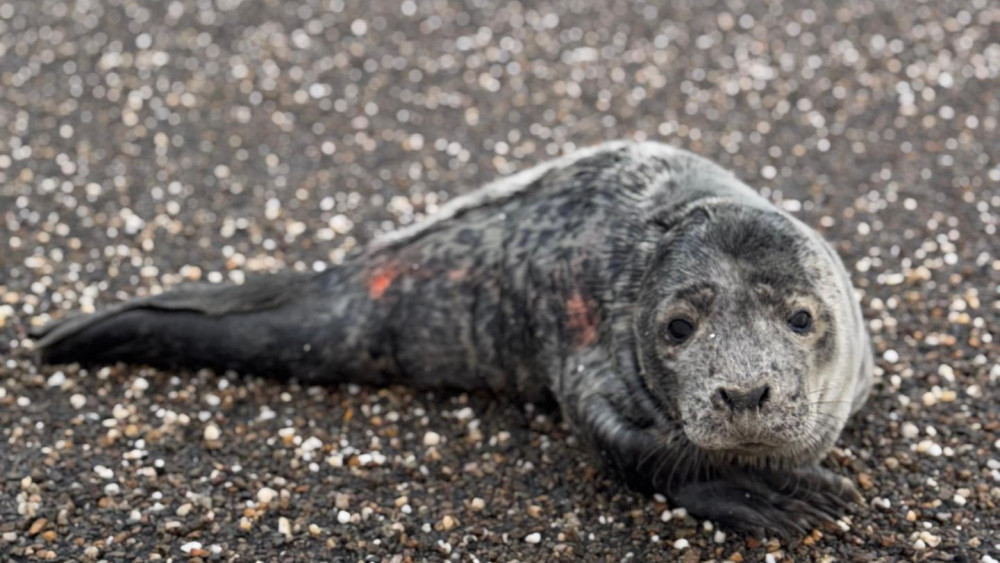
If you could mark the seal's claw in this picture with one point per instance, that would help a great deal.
(789, 503)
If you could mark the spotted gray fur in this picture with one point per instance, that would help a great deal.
(559, 283)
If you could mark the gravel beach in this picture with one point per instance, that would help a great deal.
(144, 144)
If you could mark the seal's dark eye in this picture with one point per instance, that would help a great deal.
(679, 330)
(800, 321)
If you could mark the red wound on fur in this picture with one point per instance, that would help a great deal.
(381, 281)
(580, 317)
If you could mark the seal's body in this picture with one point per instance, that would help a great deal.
(706, 344)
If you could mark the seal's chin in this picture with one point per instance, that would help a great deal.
(735, 443)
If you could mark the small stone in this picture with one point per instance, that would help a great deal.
(344, 517)
(477, 504)
(959, 500)
(448, 523)
(534, 538)
(266, 495)
(910, 430)
(212, 433)
(720, 537)
(10, 537)
(432, 439)
(37, 526)
(190, 546)
(930, 448)
(285, 527)
(56, 379)
(246, 524)
(911, 516)
(315, 530)
(184, 509)
(78, 401)
(865, 480)
(682, 544)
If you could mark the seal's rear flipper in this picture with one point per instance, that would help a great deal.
(251, 327)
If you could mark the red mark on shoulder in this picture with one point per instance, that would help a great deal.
(580, 317)
(381, 280)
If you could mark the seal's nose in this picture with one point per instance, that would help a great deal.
(739, 400)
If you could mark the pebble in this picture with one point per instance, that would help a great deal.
(910, 430)
(77, 401)
(930, 448)
(343, 517)
(191, 546)
(682, 544)
(285, 527)
(57, 379)
(533, 538)
(266, 495)
(432, 439)
(213, 433)
(477, 504)
(930, 539)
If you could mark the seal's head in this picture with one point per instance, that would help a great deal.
(749, 332)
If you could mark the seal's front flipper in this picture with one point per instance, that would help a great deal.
(251, 327)
(787, 503)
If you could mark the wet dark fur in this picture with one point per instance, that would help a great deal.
(546, 290)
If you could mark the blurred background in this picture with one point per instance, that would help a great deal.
(143, 144)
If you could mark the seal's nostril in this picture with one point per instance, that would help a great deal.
(726, 400)
(764, 396)
(738, 400)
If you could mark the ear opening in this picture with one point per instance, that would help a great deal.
(670, 216)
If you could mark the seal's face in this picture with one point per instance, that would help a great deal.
(741, 334)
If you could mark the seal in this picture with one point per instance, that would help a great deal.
(705, 344)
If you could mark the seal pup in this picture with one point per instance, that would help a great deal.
(705, 344)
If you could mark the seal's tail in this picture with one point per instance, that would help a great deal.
(257, 327)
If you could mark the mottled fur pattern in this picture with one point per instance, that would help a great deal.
(560, 282)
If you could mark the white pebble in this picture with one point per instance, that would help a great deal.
(720, 536)
(681, 544)
(910, 430)
(959, 500)
(104, 472)
(432, 439)
(285, 527)
(930, 448)
(343, 517)
(313, 443)
(533, 538)
(212, 433)
(191, 546)
(78, 401)
(57, 379)
(266, 495)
